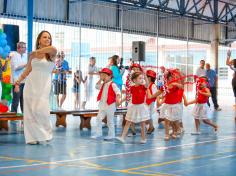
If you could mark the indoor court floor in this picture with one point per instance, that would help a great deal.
(73, 153)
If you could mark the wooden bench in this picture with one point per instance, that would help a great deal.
(61, 117)
(62, 114)
(5, 117)
(86, 115)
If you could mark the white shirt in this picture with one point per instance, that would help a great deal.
(92, 69)
(201, 72)
(103, 102)
(16, 61)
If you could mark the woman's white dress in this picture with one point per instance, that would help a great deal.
(37, 125)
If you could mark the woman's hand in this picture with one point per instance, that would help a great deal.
(17, 88)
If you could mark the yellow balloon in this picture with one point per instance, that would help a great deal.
(7, 73)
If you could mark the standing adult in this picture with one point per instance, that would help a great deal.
(212, 80)
(201, 71)
(60, 80)
(92, 72)
(37, 125)
(117, 77)
(232, 65)
(18, 63)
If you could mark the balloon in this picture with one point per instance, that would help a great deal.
(6, 79)
(7, 49)
(8, 86)
(7, 97)
(1, 50)
(4, 55)
(3, 36)
(3, 108)
(3, 42)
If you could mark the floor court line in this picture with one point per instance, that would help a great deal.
(223, 157)
(160, 173)
(117, 154)
(193, 167)
(178, 161)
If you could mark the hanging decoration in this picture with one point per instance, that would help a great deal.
(6, 75)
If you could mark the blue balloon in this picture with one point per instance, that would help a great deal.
(1, 51)
(3, 43)
(4, 55)
(7, 49)
(3, 36)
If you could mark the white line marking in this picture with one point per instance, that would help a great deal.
(223, 157)
(115, 154)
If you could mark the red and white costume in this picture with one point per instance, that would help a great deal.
(151, 102)
(137, 109)
(107, 107)
(171, 108)
(200, 110)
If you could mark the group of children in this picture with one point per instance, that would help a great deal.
(141, 96)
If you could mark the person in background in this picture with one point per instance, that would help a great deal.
(19, 61)
(60, 80)
(201, 71)
(78, 78)
(232, 65)
(92, 73)
(212, 79)
(117, 77)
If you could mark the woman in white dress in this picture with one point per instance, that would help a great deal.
(37, 125)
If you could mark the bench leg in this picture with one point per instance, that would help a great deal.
(85, 122)
(4, 125)
(61, 120)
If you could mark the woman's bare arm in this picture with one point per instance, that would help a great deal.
(40, 53)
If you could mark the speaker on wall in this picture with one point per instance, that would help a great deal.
(138, 51)
(12, 32)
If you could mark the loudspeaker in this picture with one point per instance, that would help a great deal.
(12, 32)
(138, 51)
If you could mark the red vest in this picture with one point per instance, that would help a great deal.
(149, 101)
(111, 97)
(201, 99)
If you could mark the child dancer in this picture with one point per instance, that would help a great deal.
(182, 97)
(133, 68)
(151, 76)
(200, 109)
(171, 109)
(137, 110)
(161, 119)
(108, 96)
